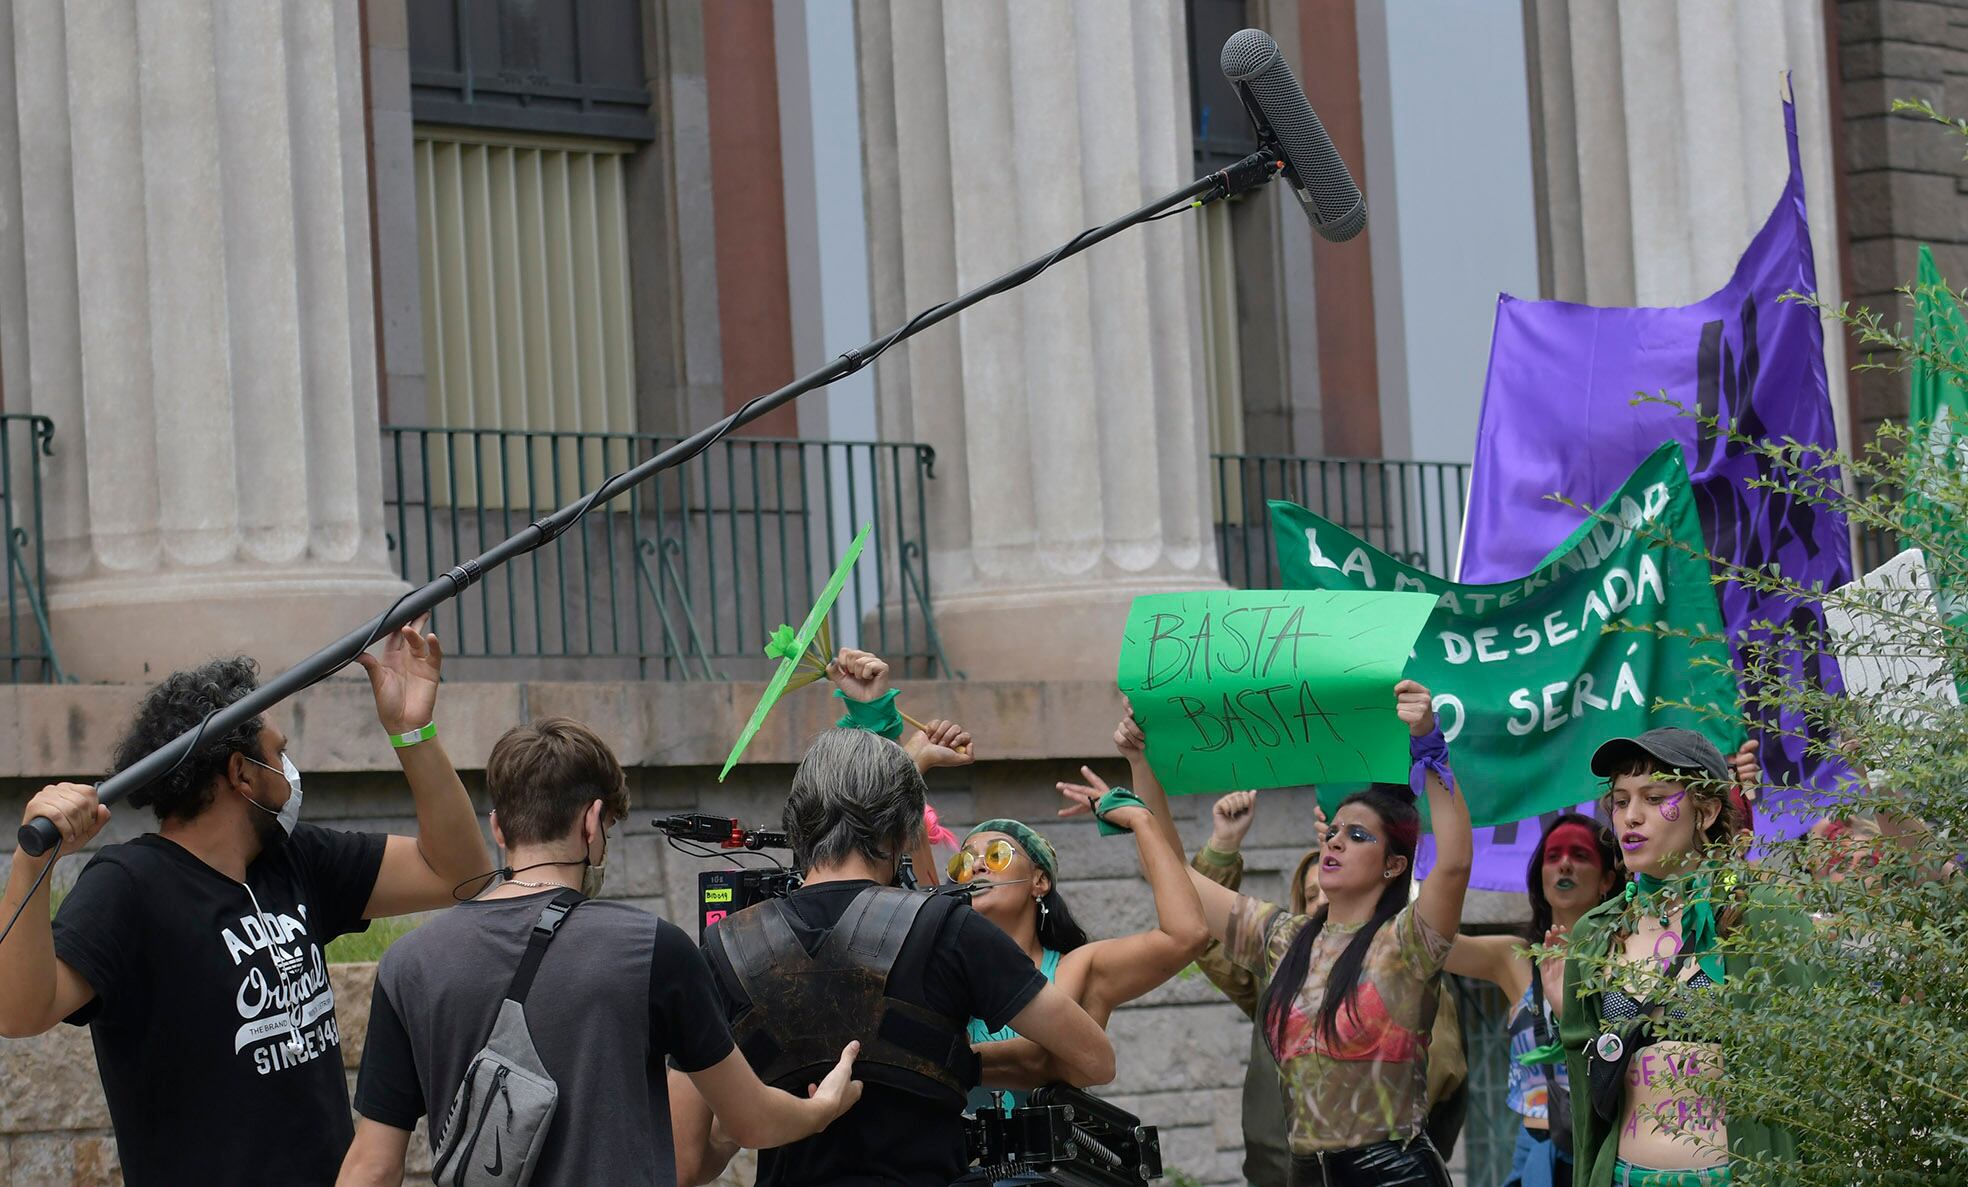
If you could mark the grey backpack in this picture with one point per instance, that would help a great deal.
(499, 1118)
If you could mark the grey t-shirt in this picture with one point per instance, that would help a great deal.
(618, 993)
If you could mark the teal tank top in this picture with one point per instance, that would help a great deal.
(984, 1098)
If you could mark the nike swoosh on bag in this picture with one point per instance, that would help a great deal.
(498, 1166)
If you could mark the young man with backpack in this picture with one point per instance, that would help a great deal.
(565, 1083)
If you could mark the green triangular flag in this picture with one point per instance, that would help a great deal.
(792, 648)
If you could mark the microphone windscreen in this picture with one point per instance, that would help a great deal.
(1251, 61)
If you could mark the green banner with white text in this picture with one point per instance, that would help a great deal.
(1527, 678)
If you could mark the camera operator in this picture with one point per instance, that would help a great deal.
(847, 958)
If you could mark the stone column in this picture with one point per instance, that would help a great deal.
(1067, 415)
(193, 208)
(1661, 148)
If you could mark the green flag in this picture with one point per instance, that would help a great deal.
(1937, 415)
(1527, 680)
(1252, 688)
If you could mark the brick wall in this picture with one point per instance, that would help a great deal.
(1905, 179)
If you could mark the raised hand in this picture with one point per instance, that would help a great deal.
(1415, 705)
(404, 677)
(1743, 765)
(1128, 736)
(941, 744)
(1081, 797)
(1231, 819)
(862, 675)
(74, 811)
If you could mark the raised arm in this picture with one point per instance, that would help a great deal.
(1440, 900)
(420, 872)
(1122, 969)
(1494, 959)
(938, 744)
(1216, 900)
(37, 990)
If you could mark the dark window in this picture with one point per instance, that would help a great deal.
(1223, 131)
(572, 67)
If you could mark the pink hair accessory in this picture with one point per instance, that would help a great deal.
(938, 835)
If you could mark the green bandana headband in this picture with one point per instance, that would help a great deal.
(1036, 847)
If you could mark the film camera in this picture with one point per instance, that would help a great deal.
(728, 891)
(722, 892)
(1066, 1136)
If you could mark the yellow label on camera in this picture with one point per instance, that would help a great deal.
(718, 894)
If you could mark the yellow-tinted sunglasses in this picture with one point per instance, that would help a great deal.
(996, 859)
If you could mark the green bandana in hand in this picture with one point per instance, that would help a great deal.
(1119, 797)
(879, 716)
(1698, 926)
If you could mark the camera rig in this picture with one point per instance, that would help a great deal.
(722, 892)
(1067, 1136)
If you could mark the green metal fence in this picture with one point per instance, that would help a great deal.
(30, 650)
(683, 577)
(1412, 510)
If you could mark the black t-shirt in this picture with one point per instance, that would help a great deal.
(972, 969)
(617, 991)
(213, 1020)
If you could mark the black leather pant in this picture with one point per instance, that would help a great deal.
(1413, 1163)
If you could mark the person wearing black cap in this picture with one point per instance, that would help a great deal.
(1642, 1124)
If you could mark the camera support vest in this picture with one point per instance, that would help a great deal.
(799, 1008)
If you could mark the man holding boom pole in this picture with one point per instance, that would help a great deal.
(195, 953)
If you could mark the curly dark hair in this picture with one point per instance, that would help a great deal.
(176, 705)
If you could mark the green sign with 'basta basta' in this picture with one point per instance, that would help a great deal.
(1270, 688)
(1527, 679)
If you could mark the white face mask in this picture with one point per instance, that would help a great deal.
(289, 814)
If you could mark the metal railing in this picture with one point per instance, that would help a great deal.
(1412, 510)
(30, 652)
(1489, 1127)
(682, 578)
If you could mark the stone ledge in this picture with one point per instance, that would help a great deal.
(67, 731)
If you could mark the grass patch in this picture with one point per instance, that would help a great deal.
(362, 947)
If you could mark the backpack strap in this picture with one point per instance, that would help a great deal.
(551, 917)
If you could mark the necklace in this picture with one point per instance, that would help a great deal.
(533, 885)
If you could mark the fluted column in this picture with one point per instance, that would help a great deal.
(199, 323)
(1663, 146)
(1067, 415)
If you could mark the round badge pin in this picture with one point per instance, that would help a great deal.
(1610, 1047)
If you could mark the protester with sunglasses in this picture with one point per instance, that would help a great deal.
(1022, 869)
(1350, 991)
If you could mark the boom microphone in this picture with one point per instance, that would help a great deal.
(1287, 124)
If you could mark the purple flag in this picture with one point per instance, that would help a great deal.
(1558, 416)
